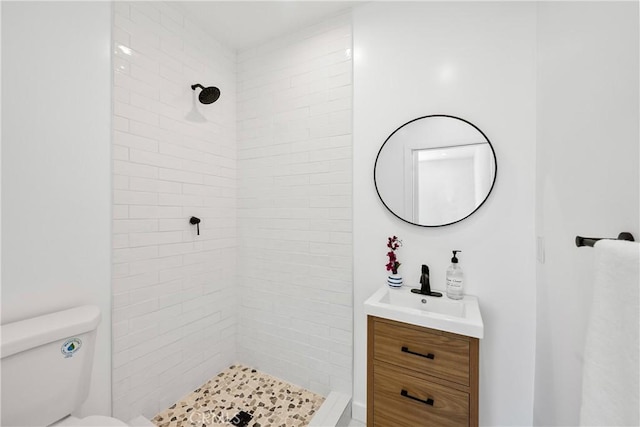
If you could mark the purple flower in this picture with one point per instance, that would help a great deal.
(393, 243)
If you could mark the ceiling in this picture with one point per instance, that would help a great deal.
(242, 24)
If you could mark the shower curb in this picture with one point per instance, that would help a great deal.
(334, 412)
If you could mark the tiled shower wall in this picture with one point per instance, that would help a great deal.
(294, 206)
(173, 291)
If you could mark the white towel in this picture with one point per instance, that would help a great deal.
(610, 383)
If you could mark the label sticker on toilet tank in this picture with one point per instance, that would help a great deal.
(70, 346)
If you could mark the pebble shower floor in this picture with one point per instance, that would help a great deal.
(271, 401)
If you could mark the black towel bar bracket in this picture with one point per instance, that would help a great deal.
(590, 241)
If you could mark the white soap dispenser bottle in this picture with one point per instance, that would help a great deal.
(455, 279)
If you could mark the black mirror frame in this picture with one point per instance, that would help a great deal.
(495, 160)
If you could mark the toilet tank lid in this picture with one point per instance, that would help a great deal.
(30, 333)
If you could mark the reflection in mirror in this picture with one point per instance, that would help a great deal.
(435, 170)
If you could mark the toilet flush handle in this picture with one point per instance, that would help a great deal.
(195, 221)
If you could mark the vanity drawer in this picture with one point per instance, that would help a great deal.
(427, 352)
(438, 406)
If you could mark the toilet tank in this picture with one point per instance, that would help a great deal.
(46, 365)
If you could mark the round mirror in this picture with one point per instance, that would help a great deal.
(435, 170)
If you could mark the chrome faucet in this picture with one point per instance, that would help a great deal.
(425, 286)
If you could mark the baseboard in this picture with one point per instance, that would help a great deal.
(359, 412)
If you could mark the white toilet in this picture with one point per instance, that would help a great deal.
(46, 369)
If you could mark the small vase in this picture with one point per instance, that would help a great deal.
(394, 280)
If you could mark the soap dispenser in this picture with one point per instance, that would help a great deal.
(455, 279)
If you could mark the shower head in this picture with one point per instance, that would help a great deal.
(209, 95)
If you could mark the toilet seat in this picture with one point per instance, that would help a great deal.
(92, 421)
(100, 421)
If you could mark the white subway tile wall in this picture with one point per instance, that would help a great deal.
(294, 206)
(174, 293)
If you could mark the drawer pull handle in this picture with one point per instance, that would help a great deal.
(428, 356)
(405, 393)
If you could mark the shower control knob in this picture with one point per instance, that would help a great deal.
(195, 221)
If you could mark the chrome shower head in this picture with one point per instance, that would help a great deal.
(209, 95)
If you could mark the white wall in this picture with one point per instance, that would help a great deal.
(56, 187)
(475, 61)
(174, 291)
(587, 177)
(294, 206)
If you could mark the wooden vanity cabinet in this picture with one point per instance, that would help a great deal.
(420, 377)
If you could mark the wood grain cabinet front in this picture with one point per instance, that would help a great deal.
(420, 377)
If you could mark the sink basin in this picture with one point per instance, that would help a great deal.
(441, 313)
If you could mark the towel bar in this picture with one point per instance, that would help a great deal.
(589, 241)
